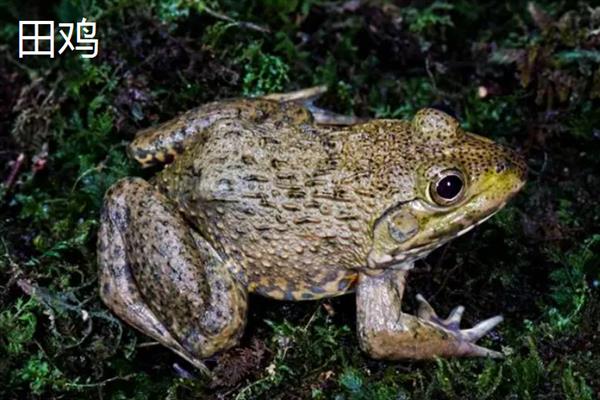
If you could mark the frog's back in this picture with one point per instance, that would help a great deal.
(271, 196)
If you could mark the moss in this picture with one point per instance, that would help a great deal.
(263, 73)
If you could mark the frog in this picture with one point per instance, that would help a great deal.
(274, 196)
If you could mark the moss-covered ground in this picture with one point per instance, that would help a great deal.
(525, 74)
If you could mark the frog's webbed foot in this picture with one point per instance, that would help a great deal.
(326, 117)
(300, 96)
(307, 98)
(451, 325)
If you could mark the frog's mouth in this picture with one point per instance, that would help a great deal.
(401, 258)
(439, 237)
(413, 229)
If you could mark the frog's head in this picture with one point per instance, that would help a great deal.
(459, 180)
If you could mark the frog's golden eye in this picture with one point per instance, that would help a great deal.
(448, 187)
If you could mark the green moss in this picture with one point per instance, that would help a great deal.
(356, 386)
(570, 289)
(17, 326)
(263, 73)
(434, 15)
(574, 386)
(38, 375)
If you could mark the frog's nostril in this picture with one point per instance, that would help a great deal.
(503, 166)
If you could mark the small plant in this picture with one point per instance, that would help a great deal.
(299, 349)
(526, 372)
(434, 15)
(263, 73)
(497, 116)
(17, 326)
(416, 93)
(172, 10)
(356, 387)
(570, 289)
(456, 380)
(38, 374)
(574, 386)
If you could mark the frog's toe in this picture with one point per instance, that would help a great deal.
(426, 312)
(481, 329)
(466, 337)
(473, 350)
(454, 318)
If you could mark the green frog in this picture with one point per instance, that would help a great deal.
(277, 197)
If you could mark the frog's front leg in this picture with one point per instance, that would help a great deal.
(163, 278)
(386, 332)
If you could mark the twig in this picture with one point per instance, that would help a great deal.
(52, 302)
(31, 72)
(311, 319)
(88, 171)
(241, 24)
(101, 383)
(14, 172)
(147, 344)
(430, 75)
(14, 271)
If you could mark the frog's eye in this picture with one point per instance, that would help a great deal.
(448, 187)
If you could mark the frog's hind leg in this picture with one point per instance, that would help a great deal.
(307, 97)
(162, 278)
(160, 144)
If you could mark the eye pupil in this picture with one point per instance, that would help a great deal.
(449, 187)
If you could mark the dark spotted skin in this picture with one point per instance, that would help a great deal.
(160, 144)
(189, 300)
(257, 197)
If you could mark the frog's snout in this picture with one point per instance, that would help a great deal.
(514, 163)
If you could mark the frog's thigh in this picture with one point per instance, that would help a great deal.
(160, 144)
(118, 289)
(162, 278)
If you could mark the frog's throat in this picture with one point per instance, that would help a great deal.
(404, 258)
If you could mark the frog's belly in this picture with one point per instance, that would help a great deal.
(276, 263)
(284, 260)
(311, 285)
